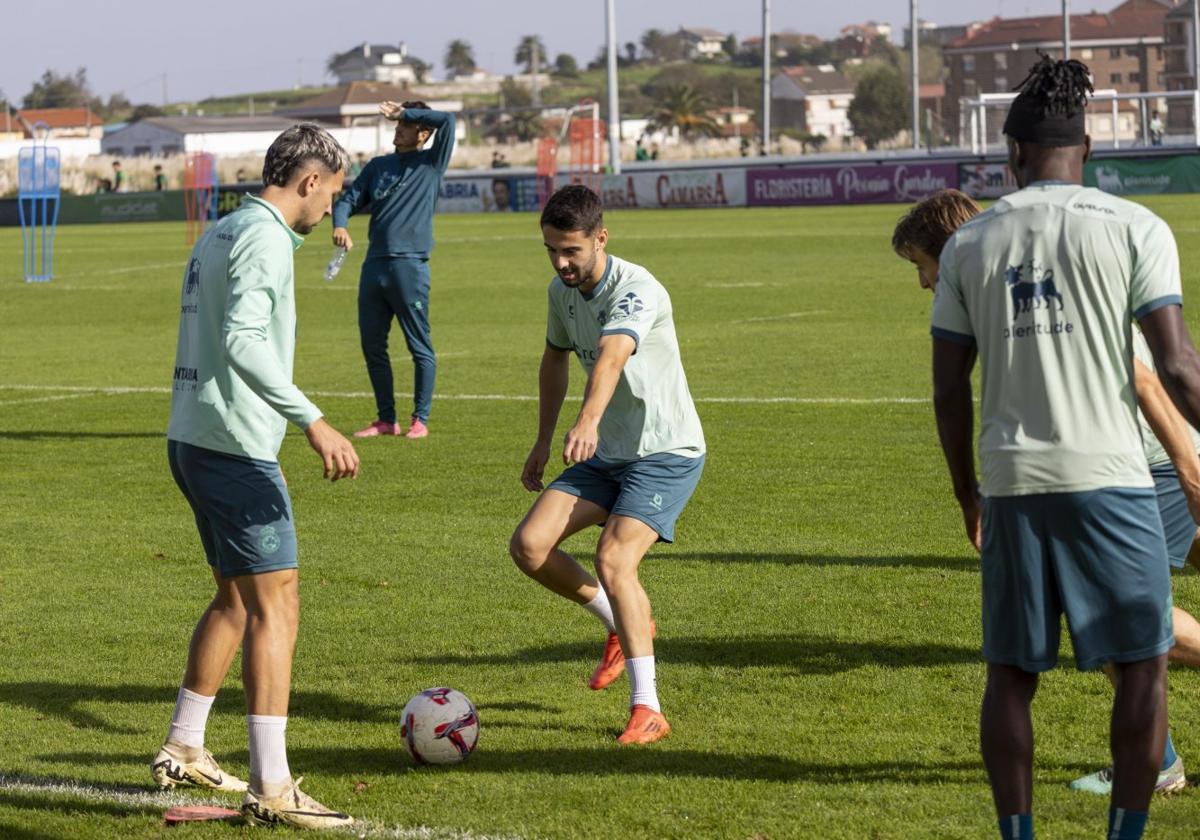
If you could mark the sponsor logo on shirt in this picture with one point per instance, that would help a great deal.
(186, 378)
(1032, 291)
(193, 277)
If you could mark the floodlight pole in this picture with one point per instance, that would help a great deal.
(766, 77)
(1196, 69)
(1066, 14)
(614, 111)
(913, 46)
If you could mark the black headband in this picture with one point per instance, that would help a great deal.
(1028, 122)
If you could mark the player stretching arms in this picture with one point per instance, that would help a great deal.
(919, 237)
(636, 446)
(231, 402)
(1042, 288)
(402, 191)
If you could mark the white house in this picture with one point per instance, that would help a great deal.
(813, 99)
(374, 63)
(177, 135)
(700, 42)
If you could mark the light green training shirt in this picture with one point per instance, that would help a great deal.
(233, 388)
(1047, 283)
(1155, 453)
(651, 410)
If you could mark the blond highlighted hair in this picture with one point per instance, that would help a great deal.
(931, 222)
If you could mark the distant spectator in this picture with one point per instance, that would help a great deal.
(241, 176)
(502, 195)
(499, 161)
(104, 185)
(639, 151)
(654, 152)
(1156, 130)
(160, 179)
(118, 179)
(744, 147)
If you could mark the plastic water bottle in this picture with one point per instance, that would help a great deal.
(335, 264)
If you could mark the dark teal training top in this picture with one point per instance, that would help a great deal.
(402, 192)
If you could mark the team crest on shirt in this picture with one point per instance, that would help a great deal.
(626, 307)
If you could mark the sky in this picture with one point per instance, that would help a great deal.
(223, 47)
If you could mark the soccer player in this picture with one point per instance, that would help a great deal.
(636, 449)
(1042, 289)
(1169, 443)
(402, 191)
(232, 399)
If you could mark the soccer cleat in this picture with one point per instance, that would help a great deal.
(612, 663)
(418, 429)
(379, 429)
(645, 726)
(1171, 780)
(179, 764)
(284, 803)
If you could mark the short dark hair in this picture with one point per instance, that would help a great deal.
(931, 222)
(574, 207)
(298, 146)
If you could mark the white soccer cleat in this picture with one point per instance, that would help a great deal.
(179, 764)
(284, 803)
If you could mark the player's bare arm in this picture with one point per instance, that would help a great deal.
(1171, 430)
(952, 365)
(553, 378)
(612, 353)
(341, 238)
(1175, 358)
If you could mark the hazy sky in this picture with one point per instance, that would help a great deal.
(220, 47)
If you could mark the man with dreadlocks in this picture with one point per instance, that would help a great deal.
(1043, 289)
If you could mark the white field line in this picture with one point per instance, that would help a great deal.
(135, 798)
(116, 390)
(784, 317)
(58, 398)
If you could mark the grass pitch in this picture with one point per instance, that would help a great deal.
(818, 617)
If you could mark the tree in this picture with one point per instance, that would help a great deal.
(421, 68)
(566, 66)
(658, 47)
(459, 58)
(730, 46)
(531, 46)
(683, 107)
(55, 91)
(631, 52)
(140, 112)
(880, 107)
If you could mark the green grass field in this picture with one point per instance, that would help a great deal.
(818, 616)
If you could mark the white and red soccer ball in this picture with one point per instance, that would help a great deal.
(439, 726)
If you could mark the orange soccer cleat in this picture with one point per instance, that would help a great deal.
(645, 726)
(612, 663)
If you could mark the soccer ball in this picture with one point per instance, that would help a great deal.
(439, 726)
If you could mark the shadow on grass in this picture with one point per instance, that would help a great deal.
(952, 564)
(61, 435)
(70, 796)
(67, 701)
(804, 653)
(14, 832)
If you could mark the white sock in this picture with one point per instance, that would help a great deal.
(191, 716)
(600, 608)
(643, 687)
(268, 749)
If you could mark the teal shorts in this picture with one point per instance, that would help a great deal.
(653, 490)
(1098, 557)
(1178, 526)
(242, 509)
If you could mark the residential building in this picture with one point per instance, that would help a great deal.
(1123, 48)
(1179, 67)
(374, 63)
(813, 100)
(699, 42)
(357, 104)
(63, 122)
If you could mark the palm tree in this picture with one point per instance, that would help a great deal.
(460, 57)
(531, 46)
(685, 108)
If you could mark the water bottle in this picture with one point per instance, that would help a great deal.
(335, 264)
